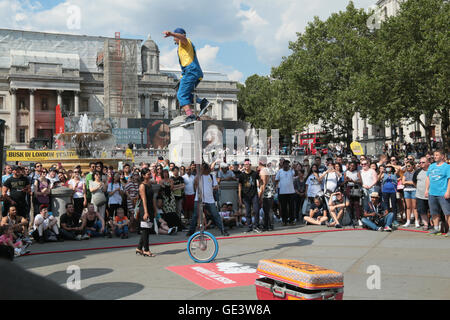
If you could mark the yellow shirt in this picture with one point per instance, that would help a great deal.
(186, 53)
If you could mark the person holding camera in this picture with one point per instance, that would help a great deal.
(376, 216)
(389, 181)
(353, 183)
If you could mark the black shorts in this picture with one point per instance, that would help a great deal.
(422, 206)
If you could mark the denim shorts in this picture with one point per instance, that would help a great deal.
(409, 194)
(437, 204)
(422, 206)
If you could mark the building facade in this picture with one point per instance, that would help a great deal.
(40, 70)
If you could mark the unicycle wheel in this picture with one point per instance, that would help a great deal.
(202, 247)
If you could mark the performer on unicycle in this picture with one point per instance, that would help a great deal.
(191, 74)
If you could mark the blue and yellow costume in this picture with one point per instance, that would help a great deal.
(191, 73)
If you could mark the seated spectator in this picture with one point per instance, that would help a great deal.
(70, 225)
(19, 224)
(119, 225)
(317, 213)
(238, 215)
(93, 222)
(228, 219)
(46, 226)
(7, 239)
(376, 217)
(337, 204)
(163, 227)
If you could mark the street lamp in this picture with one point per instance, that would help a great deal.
(163, 108)
(142, 137)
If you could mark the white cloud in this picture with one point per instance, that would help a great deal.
(266, 25)
(235, 75)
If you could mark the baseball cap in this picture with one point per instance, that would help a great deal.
(179, 30)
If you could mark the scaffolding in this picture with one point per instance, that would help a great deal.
(120, 77)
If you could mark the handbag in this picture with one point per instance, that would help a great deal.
(99, 199)
(355, 192)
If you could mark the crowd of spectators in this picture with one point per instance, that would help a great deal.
(380, 194)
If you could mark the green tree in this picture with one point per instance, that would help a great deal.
(323, 69)
(409, 76)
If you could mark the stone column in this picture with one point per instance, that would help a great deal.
(59, 98)
(147, 106)
(32, 115)
(219, 109)
(12, 92)
(77, 103)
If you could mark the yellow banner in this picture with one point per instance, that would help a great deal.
(39, 155)
(357, 148)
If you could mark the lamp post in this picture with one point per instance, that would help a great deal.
(163, 108)
(142, 137)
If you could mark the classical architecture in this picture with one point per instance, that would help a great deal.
(40, 70)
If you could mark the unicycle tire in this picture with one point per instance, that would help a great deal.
(202, 252)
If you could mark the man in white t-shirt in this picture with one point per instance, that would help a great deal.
(189, 193)
(285, 181)
(209, 182)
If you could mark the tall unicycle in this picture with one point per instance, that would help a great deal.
(202, 246)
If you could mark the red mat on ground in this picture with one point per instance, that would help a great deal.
(211, 276)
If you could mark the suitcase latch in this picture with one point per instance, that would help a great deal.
(278, 291)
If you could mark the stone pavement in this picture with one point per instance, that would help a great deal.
(412, 265)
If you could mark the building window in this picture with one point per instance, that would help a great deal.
(44, 104)
(2, 102)
(22, 135)
(84, 107)
(67, 106)
(155, 106)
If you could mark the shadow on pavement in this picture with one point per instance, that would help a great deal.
(110, 290)
(60, 277)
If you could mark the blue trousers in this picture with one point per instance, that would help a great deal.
(212, 210)
(385, 222)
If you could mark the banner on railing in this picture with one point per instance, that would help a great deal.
(39, 155)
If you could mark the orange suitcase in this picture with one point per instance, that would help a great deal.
(295, 280)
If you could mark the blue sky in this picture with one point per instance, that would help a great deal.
(236, 37)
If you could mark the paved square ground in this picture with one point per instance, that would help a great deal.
(412, 265)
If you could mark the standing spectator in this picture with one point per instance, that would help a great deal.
(42, 191)
(410, 194)
(178, 187)
(189, 193)
(300, 193)
(182, 171)
(225, 174)
(169, 203)
(146, 213)
(132, 193)
(79, 196)
(52, 176)
(354, 192)
(209, 204)
(89, 177)
(35, 174)
(248, 195)
(320, 166)
(70, 225)
(126, 171)
(115, 192)
(369, 180)
(420, 178)
(313, 187)
(438, 190)
(388, 180)
(285, 181)
(266, 194)
(8, 173)
(98, 189)
(15, 190)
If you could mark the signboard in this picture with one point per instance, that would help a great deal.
(157, 133)
(130, 135)
(222, 275)
(39, 155)
(357, 148)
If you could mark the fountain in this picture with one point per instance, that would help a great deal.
(92, 141)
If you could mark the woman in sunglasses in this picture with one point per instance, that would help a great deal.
(409, 193)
